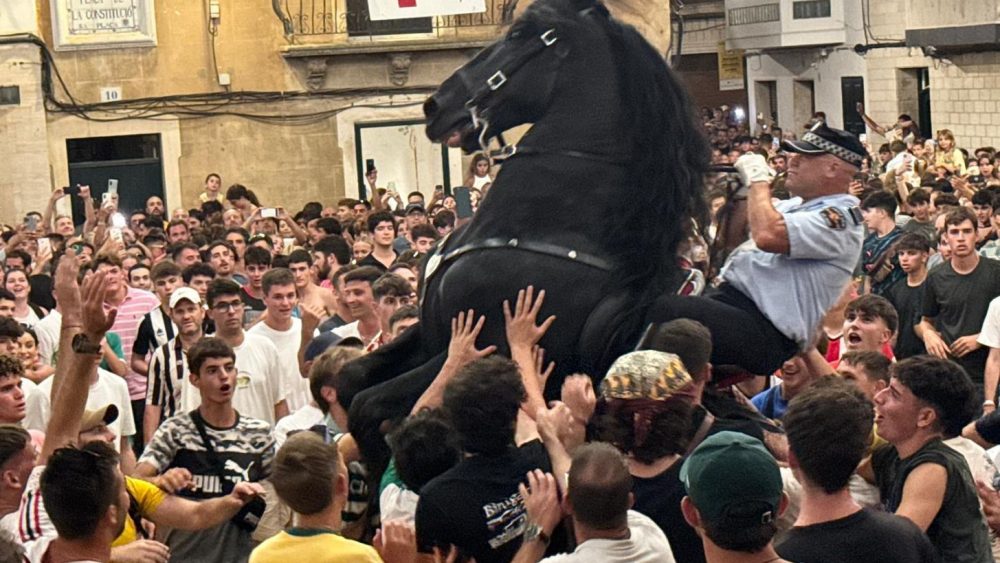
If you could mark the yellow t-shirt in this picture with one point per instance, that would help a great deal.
(315, 546)
(149, 497)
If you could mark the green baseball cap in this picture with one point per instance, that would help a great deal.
(733, 480)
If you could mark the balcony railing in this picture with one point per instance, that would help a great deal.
(338, 20)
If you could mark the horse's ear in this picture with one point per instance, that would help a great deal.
(590, 6)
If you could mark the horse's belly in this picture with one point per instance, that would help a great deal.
(483, 279)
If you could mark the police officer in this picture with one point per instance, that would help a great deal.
(777, 286)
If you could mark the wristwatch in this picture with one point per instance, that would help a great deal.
(83, 345)
(535, 532)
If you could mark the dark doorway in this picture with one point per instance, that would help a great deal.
(924, 103)
(134, 160)
(852, 92)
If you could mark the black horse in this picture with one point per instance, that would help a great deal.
(590, 208)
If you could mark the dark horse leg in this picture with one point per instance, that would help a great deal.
(741, 334)
(388, 401)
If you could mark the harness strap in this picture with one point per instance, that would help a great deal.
(510, 151)
(547, 249)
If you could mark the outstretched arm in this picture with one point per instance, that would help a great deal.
(82, 313)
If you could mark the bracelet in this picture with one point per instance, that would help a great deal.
(989, 404)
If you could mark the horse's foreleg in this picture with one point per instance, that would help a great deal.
(387, 402)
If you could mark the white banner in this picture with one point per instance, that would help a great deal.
(400, 9)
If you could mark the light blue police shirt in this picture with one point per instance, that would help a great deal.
(794, 291)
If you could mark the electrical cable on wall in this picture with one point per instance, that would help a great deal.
(200, 106)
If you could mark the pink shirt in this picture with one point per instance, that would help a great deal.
(130, 313)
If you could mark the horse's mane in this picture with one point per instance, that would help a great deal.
(670, 157)
(669, 154)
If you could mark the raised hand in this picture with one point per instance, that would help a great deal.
(96, 320)
(464, 331)
(522, 332)
(541, 500)
(68, 290)
(396, 542)
(578, 394)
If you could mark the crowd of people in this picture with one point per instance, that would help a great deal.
(170, 382)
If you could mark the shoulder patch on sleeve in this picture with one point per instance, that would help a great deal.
(834, 218)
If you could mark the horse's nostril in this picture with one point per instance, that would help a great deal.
(430, 107)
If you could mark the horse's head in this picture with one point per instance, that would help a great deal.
(510, 82)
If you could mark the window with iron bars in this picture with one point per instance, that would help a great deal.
(351, 18)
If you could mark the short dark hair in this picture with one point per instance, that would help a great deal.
(276, 277)
(404, 312)
(197, 269)
(424, 447)
(876, 306)
(10, 328)
(946, 200)
(444, 219)
(829, 428)
(13, 440)
(164, 269)
(391, 284)
(6, 295)
(329, 225)
(257, 256)
(205, 349)
(944, 386)
(599, 486)
(481, 403)
(299, 256)
(881, 200)
(983, 197)
(175, 250)
(325, 372)
(875, 364)
(381, 217)
(913, 241)
(959, 215)
(221, 287)
(689, 339)
(335, 246)
(78, 486)
(364, 273)
(18, 253)
(240, 231)
(423, 231)
(305, 471)
(11, 366)
(918, 196)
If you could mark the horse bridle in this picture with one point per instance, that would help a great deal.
(475, 104)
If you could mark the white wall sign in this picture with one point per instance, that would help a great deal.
(400, 9)
(111, 94)
(103, 24)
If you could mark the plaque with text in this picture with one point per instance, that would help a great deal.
(103, 24)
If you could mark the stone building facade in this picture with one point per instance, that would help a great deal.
(354, 90)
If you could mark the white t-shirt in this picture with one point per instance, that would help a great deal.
(990, 334)
(259, 383)
(302, 419)
(397, 504)
(287, 342)
(29, 320)
(646, 544)
(109, 389)
(47, 330)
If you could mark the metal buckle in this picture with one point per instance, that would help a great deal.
(496, 81)
(549, 37)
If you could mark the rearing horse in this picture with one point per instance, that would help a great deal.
(590, 208)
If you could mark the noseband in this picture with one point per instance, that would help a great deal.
(483, 92)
